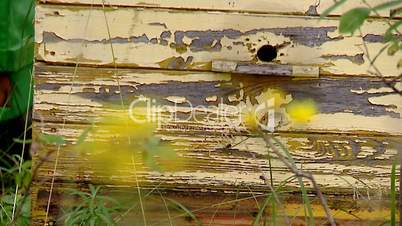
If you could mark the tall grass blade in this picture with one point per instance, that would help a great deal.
(306, 200)
(268, 200)
(184, 209)
(273, 213)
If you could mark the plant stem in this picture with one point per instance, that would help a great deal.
(300, 173)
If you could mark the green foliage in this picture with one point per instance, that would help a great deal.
(51, 139)
(387, 5)
(6, 209)
(93, 209)
(10, 177)
(306, 201)
(83, 136)
(332, 8)
(13, 175)
(389, 35)
(353, 19)
(270, 199)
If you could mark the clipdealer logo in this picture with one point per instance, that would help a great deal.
(145, 110)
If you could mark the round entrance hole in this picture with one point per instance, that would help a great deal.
(267, 53)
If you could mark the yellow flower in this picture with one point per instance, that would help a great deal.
(119, 146)
(277, 96)
(250, 115)
(301, 111)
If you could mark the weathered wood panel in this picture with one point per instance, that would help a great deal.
(349, 146)
(341, 164)
(300, 7)
(191, 40)
(346, 105)
(345, 159)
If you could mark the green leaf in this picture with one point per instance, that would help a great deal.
(388, 34)
(260, 213)
(8, 199)
(393, 49)
(332, 8)
(400, 65)
(84, 135)
(179, 206)
(26, 180)
(353, 19)
(387, 5)
(51, 139)
(18, 179)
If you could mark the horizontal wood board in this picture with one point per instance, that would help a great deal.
(191, 40)
(300, 7)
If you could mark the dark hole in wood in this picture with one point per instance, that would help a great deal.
(267, 53)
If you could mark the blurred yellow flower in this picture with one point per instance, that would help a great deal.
(301, 111)
(276, 96)
(250, 115)
(118, 146)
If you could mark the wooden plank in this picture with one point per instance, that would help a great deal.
(188, 40)
(341, 164)
(342, 153)
(346, 105)
(300, 7)
(216, 208)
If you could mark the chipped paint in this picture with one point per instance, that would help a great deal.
(303, 40)
(349, 111)
(211, 98)
(348, 147)
(357, 59)
(176, 99)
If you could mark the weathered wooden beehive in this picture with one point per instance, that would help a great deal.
(90, 55)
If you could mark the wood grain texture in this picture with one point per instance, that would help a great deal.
(346, 105)
(300, 7)
(348, 146)
(191, 40)
(343, 153)
(340, 163)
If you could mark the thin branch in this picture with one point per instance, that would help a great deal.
(276, 198)
(270, 184)
(377, 71)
